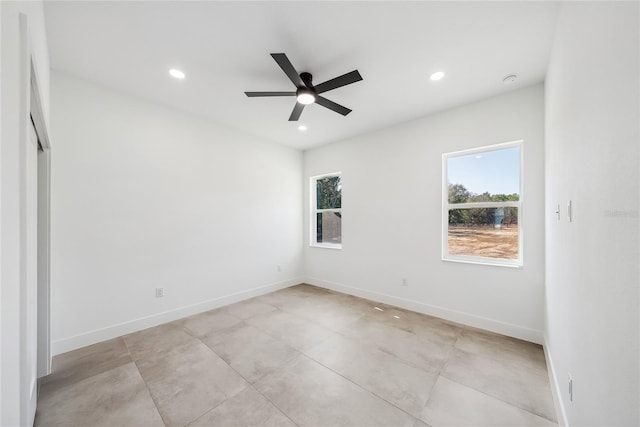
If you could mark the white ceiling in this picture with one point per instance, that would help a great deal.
(224, 48)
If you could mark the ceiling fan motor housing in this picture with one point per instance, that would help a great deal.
(306, 79)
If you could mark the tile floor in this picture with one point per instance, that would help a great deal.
(301, 356)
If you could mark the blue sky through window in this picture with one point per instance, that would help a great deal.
(495, 172)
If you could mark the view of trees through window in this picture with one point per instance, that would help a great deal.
(329, 192)
(482, 203)
(481, 216)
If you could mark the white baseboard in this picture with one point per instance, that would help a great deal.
(492, 325)
(555, 387)
(113, 331)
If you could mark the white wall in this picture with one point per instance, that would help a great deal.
(144, 196)
(592, 278)
(392, 217)
(14, 387)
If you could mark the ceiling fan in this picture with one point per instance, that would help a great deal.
(306, 92)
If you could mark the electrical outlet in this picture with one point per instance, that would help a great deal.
(570, 388)
(159, 292)
(405, 282)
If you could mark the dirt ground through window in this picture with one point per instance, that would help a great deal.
(484, 241)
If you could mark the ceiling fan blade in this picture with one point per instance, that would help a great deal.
(288, 69)
(343, 80)
(254, 94)
(295, 114)
(332, 105)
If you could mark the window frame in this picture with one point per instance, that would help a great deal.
(446, 206)
(314, 211)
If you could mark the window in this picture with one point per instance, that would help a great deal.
(482, 205)
(326, 211)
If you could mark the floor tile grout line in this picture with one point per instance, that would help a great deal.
(284, 342)
(150, 394)
(450, 353)
(407, 362)
(173, 348)
(442, 367)
(362, 387)
(220, 331)
(162, 355)
(275, 405)
(298, 352)
(229, 365)
(264, 375)
(50, 381)
(260, 331)
(509, 359)
(199, 339)
(320, 324)
(278, 369)
(270, 334)
(402, 360)
(497, 398)
(512, 363)
(214, 407)
(193, 333)
(59, 388)
(135, 362)
(444, 375)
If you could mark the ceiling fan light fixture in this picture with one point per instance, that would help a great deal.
(306, 92)
(305, 97)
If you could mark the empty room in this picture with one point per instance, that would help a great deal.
(319, 213)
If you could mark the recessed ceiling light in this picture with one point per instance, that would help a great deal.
(177, 73)
(302, 128)
(437, 75)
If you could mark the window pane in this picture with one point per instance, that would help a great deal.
(489, 176)
(329, 227)
(329, 193)
(486, 232)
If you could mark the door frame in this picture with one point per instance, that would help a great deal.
(44, 224)
(15, 96)
(31, 110)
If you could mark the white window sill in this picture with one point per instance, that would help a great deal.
(484, 261)
(326, 245)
